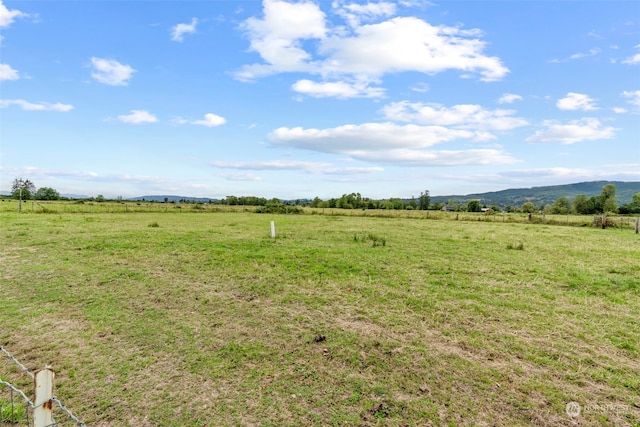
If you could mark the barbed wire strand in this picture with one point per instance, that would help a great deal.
(20, 392)
(54, 399)
(24, 368)
(68, 412)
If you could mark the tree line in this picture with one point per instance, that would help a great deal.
(605, 202)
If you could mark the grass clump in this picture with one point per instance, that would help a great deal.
(11, 413)
(518, 246)
(375, 239)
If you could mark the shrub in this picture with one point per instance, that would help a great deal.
(278, 209)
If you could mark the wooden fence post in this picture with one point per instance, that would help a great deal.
(43, 405)
(637, 224)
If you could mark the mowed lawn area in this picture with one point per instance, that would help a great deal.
(204, 319)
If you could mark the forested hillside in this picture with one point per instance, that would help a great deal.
(544, 195)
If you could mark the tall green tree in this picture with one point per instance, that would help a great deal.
(22, 189)
(561, 206)
(316, 202)
(474, 206)
(608, 197)
(346, 201)
(47, 193)
(529, 207)
(412, 203)
(610, 206)
(609, 191)
(424, 201)
(632, 207)
(598, 204)
(582, 205)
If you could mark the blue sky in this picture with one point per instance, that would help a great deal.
(294, 99)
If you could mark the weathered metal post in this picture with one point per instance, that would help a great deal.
(43, 405)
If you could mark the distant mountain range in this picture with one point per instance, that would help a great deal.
(544, 195)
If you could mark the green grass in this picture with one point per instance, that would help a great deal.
(12, 412)
(518, 247)
(174, 319)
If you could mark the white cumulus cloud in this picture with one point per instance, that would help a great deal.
(364, 52)
(633, 97)
(634, 59)
(111, 72)
(138, 117)
(410, 144)
(435, 158)
(210, 120)
(347, 139)
(354, 13)
(241, 177)
(8, 73)
(586, 129)
(464, 116)
(278, 37)
(592, 52)
(340, 89)
(31, 106)
(409, 44)
(421, 87)
(178, 31)
(576, 101)
(317, 168)
(7, 16)
(509, 98)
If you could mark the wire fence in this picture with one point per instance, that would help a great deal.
(629, 222)
(17, 409)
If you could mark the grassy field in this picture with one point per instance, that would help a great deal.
(169, 318)
(92, 207)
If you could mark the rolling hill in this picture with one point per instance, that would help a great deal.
(544, 195)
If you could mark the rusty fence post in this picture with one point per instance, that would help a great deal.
(43, 405)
